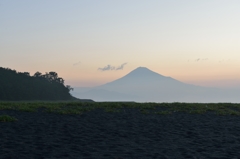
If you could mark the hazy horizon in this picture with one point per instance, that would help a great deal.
(90, 43)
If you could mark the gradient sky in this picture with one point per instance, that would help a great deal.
(196, 42)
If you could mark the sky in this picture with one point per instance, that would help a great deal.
(92, 42)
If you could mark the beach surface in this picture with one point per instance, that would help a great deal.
(119, 135)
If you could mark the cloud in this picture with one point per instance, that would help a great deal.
(121, 67)
(107, 68)
(199, 59)
(75, 64)
(110, 67)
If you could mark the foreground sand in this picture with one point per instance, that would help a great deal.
(128, 134)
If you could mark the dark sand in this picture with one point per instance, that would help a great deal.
(129, 134)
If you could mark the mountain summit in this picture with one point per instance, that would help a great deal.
(142, 72)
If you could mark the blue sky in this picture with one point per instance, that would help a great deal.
(193, 41)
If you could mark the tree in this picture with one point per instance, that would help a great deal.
(53, 76)
(60, 80)
(24, 73)
(69, 88)
(37, 74)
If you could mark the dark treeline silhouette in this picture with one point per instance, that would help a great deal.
(15, 86)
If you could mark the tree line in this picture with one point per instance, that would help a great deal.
(15, 86)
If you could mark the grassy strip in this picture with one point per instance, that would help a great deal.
(7, 118)
(145, 108)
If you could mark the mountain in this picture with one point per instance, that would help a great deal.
(141, 78)
(144, 85)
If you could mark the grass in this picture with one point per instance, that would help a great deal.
(117, 107)
(7, 118)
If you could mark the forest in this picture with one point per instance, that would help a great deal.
(21, 86)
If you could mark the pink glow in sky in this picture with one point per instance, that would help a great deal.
(191, 41)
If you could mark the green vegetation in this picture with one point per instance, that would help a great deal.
(20, 86)
(7, 118)
(118, 107)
